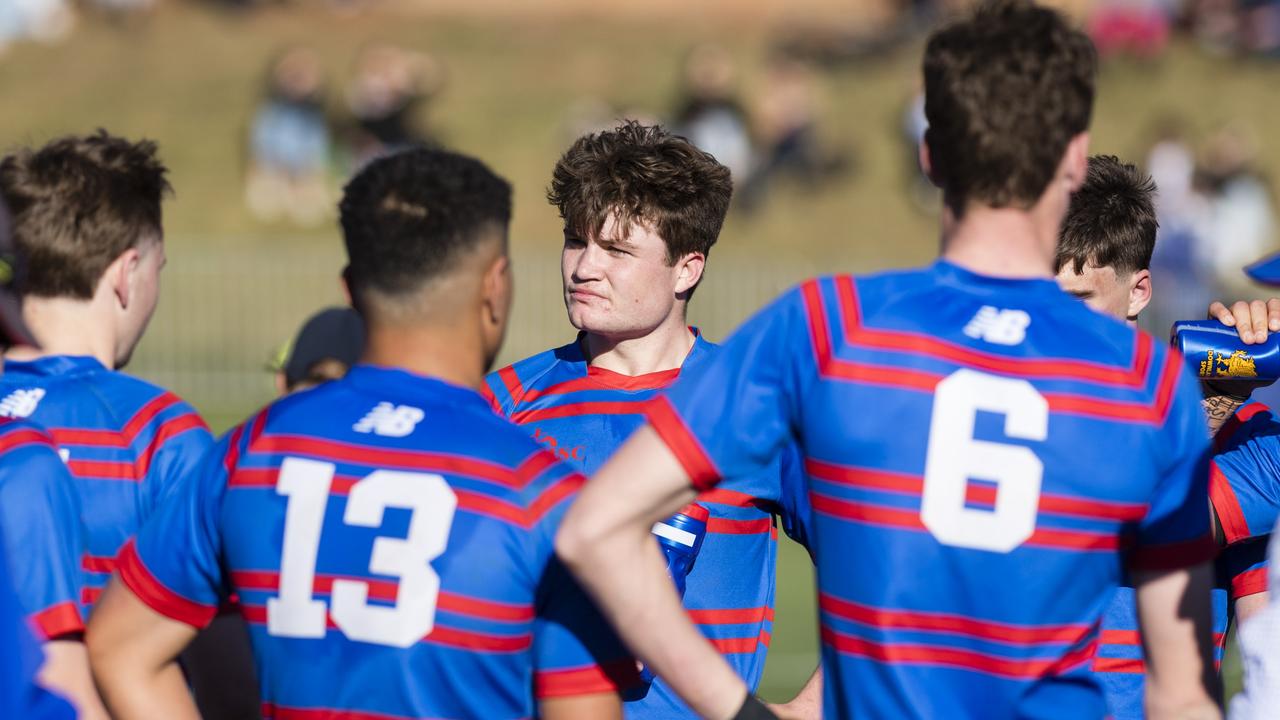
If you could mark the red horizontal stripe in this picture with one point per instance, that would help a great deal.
(272, 711)
(1134, 637)
(683, 444)
(553, 496)
(147, 413)
(726, 526)
(95, 563)
(597, 407)
(1119, 665)
(746, 645)
(385, 457)
(610, 677)
(986, 494)
(151, 591)
(387, 589)
(58, 620)
(104, 470)
(166, 432)
(731, 616)
(534, 466)
(723, 496)
(124, 437)
(597, 379)
(953, 624)
(1249, 582)
(467, 640)
(1173, 556)
(910, 520)
(910, 342)
(924, 654)
(22, 437)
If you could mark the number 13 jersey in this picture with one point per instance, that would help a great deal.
(390, 543)
(984, 456)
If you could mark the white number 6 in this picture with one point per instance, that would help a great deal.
(954, 457)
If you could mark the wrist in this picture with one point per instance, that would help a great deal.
(753, 709)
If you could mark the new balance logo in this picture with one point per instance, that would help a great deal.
(1002, 327)
(390, 420)
(21, 403)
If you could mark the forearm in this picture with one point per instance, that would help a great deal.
(66, 671)
(1175, 616)
(160, 694)
(807, 704)
(1219, 408)
(625, 572)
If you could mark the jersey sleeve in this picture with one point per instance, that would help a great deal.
(498, 391)
(1244, 480)
(795, 511)
(1243, 568)
(40, 524)
(20, 695)
(172, 445)
(1175, 532)
(734, 418)
(576, 652)
(173, 565)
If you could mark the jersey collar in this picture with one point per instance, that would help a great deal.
(54, 366)
(648, 381)
(402, 383)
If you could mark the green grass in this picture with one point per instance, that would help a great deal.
(190, 77)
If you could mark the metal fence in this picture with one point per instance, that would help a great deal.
(225, 311)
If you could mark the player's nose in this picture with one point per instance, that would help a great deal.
(587, 266)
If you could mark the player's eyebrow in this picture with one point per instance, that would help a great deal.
(1082, 294)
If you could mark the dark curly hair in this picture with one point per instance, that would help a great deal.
(408, 217)
(643, 174)
(1006, 90)
(1111, 220)
(77, 204)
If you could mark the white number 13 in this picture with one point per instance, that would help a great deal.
(954, 456)
(295, 612)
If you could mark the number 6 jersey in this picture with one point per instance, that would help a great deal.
(390, 543)
(983, 454)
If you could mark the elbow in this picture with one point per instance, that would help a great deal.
(575, 542)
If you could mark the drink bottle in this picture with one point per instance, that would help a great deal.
(1216, 352)
(680, 537)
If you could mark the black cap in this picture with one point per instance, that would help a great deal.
(12, 273)
(336, 333)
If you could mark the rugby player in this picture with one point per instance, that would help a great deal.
(980, 445)
(389, 538)
(1104, 256)
(642, 209)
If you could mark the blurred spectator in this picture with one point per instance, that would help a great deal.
(1240, 223)
(787, 116)
(328, 345)
(1135, 27)
(1180, 263)
(1260, 27)
(43, 20)
(289, 143)
(709, 113)
(389, 88)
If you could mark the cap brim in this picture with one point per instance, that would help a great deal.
(1266, 270)
(15, 331)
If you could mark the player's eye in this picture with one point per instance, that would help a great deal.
(573, 242)
(616, 251)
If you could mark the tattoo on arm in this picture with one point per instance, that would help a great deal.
(1219, 408)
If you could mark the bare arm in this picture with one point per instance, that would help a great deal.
(1174, 614)
(598, 706)
(807, 704)
(1219, 406)
(1250, 605)
(605, 541)
(133, 651)
(1252, 321)
(66, 671)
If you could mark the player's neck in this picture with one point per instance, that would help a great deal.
(1001, 242)
(444, 353)
(665, 348)
(64, 326)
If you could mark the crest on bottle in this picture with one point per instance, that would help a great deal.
(1238, 364)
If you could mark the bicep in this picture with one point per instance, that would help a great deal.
(125, 631)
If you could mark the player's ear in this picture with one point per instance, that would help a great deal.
(496, 291)
(689, 271)
(120, 274)
(1076, 161)
(926, 160)
(1139, 292)
(345, 282)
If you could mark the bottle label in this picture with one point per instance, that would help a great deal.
(1238, 364)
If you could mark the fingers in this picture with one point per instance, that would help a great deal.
(1258, 319)
(1220, 312)
(1273, 314)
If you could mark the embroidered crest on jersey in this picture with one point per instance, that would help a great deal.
(390, 420)
(999, 326)
(21, 403)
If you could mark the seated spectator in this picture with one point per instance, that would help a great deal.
(289, 144)
(709, 114)
(384, 98)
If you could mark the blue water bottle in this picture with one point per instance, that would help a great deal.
(680, 537)
(1216, 352)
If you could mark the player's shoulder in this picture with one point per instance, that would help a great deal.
(28, 455)
(507, 387)
(17, 433)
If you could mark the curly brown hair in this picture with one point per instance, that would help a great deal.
(1006, 90)
(643, 174)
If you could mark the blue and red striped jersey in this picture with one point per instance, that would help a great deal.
(1241, 570)
(126, 442)
(390, 543)
(40, 525)
(21, 696)
(984, 455)
(584, 413)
